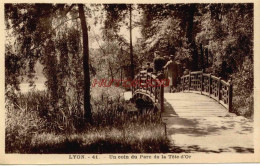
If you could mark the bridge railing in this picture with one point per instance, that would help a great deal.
(150, 85)
(209, 85)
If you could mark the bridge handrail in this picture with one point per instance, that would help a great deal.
(209, 85)
(155, 91)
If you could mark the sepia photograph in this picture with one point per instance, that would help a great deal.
(129, 78)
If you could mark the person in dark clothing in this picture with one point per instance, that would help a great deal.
(149, 68)
(159, 62)
(166, 59)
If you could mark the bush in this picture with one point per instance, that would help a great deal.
(243, 94)
(117, 127)
(21, 126)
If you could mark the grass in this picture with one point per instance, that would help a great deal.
(32, 127)
(146, 139)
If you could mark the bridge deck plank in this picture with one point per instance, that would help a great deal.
(192, 105)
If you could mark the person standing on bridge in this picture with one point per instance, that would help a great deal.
(172, 68)
(149, 68)
(159, 62)
(166, 58)
(186, 71)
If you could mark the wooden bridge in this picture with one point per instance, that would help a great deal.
(199, 94)
(197, 117)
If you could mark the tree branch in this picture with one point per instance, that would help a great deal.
(44, 14)
(104, 52)
(48, 35)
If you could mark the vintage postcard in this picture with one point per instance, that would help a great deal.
(108, 82)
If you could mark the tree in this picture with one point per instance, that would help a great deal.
(42, 33)
(116, 13)
(87, 106)
(224, 32)
(131, 45)
(164, 28)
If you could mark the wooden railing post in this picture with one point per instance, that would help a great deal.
(201, 81)
(210, 84)
(132, 89)
(151, 84)
(155, 91)
(230, 95)
(182, 83)
(140, 81)
(146, 83)
(219, 88)
(189, 80)
(162, 97)
(134, 86)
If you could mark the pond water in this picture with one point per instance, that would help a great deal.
(26, 88)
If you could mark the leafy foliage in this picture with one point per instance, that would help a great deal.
(215, 37)
(49, 34)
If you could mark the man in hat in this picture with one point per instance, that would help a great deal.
(172, 68)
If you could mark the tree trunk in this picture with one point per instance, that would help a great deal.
(87, 106)
(190, 19)
(190, 36)
(202, 57)
(111, 70)
(121, 73)
(131, 46)
(207, 56)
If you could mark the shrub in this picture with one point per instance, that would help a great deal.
(243, 81)
(21, 126)
(117, 127)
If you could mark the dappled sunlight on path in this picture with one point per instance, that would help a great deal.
(212, 133)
